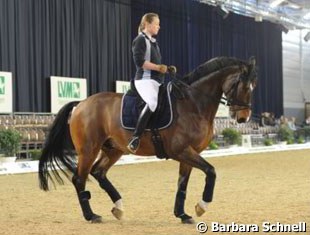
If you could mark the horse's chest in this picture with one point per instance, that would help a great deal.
(196, 132)
(200, 131)
(203, 135)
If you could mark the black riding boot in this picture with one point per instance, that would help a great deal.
(141, 125)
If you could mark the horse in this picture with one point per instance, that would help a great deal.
(99, 140)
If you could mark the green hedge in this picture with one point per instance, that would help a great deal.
(9, 142)
(232, 136)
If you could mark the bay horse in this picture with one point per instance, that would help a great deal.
(99, 140)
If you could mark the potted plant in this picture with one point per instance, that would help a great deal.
(9, 144)
(231, 136)
(213, 145)
(307, 132)
(35, 154)
(268, 142)
(285, 134)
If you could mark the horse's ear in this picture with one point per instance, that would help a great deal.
(252, 60)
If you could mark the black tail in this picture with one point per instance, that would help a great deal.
(55, 151)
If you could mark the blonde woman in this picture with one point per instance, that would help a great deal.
(149, 72)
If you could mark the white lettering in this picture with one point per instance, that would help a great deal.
(215, 226)
(279, 227)
(234, 227)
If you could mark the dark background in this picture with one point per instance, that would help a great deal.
(92, 39)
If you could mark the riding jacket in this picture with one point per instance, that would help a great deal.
(146, 49)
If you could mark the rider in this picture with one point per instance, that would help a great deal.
(149, 72)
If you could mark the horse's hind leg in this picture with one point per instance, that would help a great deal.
(85, 163)
(107, 158)
(184, 174)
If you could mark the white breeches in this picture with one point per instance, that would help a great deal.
(148, 90)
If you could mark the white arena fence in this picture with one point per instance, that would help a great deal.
(19, 167)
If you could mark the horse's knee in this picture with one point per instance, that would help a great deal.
(101, 176)
(77, 182)
(102, 179)
(106, 185)
(98, 173)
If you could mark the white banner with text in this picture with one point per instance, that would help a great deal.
(122, 86)
(65, 90)
(6, 92)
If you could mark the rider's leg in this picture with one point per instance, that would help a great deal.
(141, 125)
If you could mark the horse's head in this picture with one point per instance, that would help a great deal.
(238, 91)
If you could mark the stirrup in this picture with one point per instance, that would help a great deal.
(134, 144)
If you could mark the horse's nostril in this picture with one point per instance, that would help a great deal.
(241, 120)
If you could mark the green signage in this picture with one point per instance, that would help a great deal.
(2, 85)
(125, 88)
(68, 89)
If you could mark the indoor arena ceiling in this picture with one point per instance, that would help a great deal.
(292, 14)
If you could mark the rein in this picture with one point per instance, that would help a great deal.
(232, 100)
(176, 81)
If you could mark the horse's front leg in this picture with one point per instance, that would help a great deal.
(192, 158)
(184, 174)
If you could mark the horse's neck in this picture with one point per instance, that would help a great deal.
(206, 97)
(207, 91)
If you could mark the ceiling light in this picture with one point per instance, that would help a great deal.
(307, 37)
(283, 28)
(222, 11)
(276, 3)
(307, 16)
(294, 6)
(258, 18)
(288, 13)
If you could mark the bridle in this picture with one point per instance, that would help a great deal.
(232, 99)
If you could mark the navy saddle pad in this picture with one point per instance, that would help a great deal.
(160, 119)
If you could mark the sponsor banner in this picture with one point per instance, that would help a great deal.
(122, 86)
(6, 92)
(223, 110)
(65, 90)
(18, 167)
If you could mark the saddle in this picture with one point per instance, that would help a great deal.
(162, 117)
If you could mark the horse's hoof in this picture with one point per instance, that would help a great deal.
(118, 214)
(96, 219)
(186, 219)
(199, 210)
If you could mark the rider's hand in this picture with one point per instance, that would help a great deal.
(172, 69)
(162, 68)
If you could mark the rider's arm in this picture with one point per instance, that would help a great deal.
(138, 50)
(157, 67)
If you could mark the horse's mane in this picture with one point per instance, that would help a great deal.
(211, 66)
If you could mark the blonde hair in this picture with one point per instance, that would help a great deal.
(148, 17)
